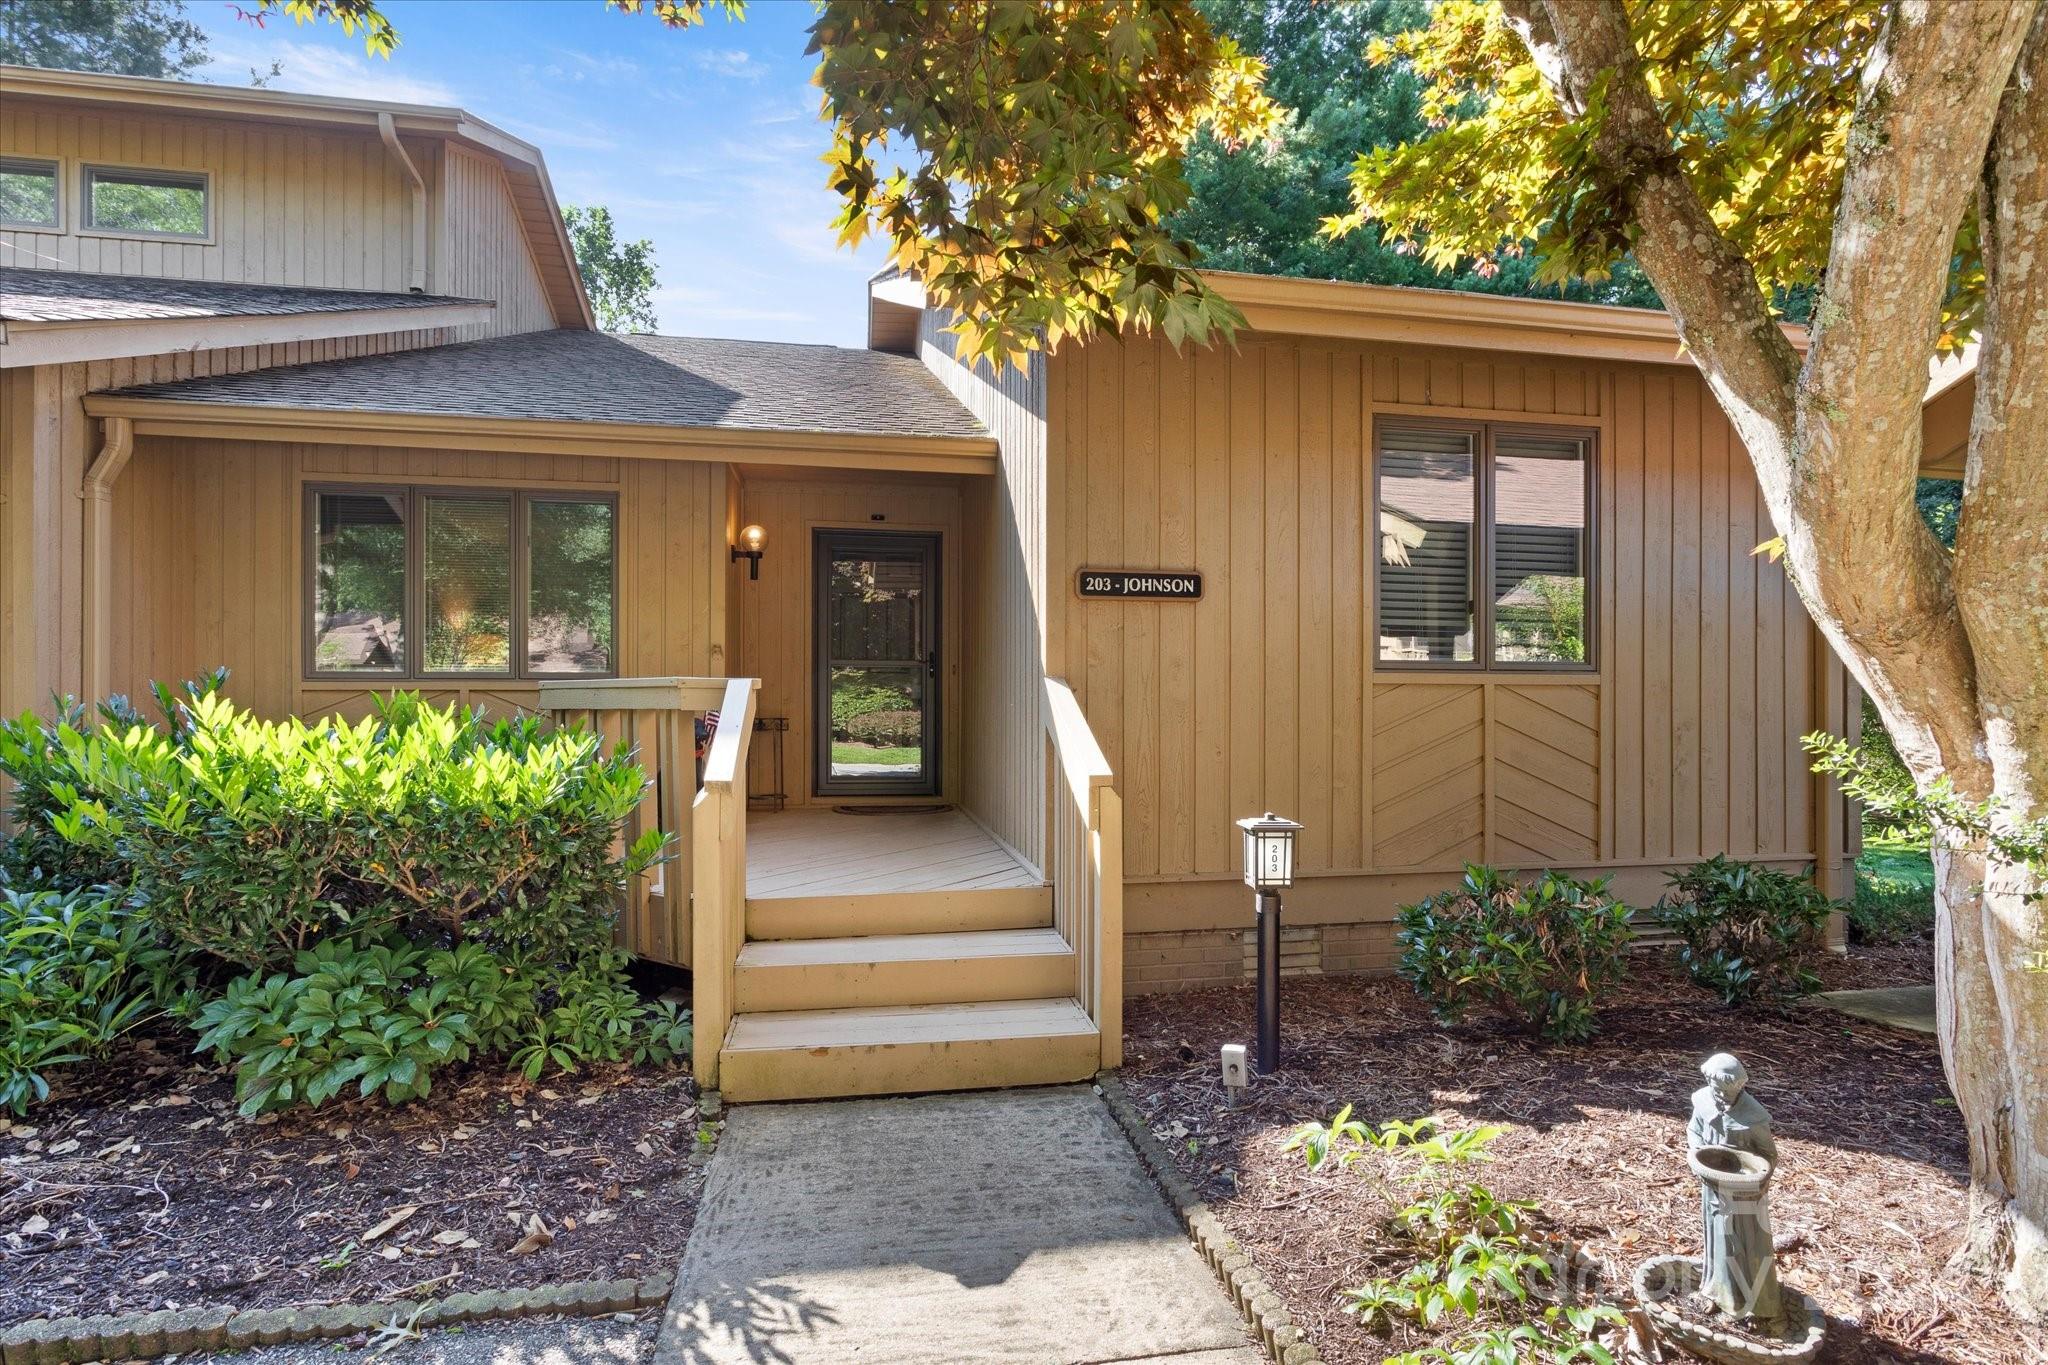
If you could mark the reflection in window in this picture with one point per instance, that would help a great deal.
(1428, 495)
(1539, 531)
(359, 583)
(1530, 552)
(28, 193)
(468, 576)
(157, 203)
(569, 587)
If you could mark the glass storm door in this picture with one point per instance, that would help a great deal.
(877, 665)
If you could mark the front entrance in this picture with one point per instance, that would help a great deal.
(877, 663)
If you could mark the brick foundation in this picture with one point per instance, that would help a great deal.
(1190, 959)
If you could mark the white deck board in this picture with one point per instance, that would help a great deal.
(797, 952)
(826, 853)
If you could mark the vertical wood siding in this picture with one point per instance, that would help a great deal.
(46, 442)
(210, 554)
(1254, 466)
(775, 621)
(289, 206)
(483, 251)
(1004, 559)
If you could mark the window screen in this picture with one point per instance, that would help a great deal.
(569, 603)
(156, 203)
(28, 193)
(1428, 498)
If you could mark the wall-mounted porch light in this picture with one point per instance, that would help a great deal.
(753, 540)
(1269, 869)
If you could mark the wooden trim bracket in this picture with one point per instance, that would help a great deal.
(116, 445)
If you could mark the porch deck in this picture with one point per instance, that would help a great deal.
(823, 852)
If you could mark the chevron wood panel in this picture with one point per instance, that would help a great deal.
(1428, 774)
(1546, 775)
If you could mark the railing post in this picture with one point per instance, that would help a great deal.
(1109, 923)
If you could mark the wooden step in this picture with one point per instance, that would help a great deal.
(902, 969)
(900, 912)
(906, 1049)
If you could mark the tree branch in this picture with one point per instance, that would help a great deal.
(2001, 547)
(1837, 446)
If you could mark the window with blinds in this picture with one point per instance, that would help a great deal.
(1483, 546)
(441, 583)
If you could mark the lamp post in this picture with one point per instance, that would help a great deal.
(1268, 869)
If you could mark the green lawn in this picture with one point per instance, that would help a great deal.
(868, 753)
(1894, 890)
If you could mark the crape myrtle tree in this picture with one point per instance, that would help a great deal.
(1886, 159)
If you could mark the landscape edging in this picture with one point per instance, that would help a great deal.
(63, 1341)
(1256, 1300)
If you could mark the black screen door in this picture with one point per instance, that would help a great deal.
(877, 653)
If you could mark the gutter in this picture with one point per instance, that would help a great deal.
(116, 445)
(416, 263)
(153, 416)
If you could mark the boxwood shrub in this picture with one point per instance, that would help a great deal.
(1537, 953)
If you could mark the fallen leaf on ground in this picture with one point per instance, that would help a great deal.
(537, 1236)
(391, 1220)
(451, 1237)
(36, 1224)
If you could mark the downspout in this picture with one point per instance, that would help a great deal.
(117, 444)
(417, 271)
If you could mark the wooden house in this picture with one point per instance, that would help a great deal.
(309, 387)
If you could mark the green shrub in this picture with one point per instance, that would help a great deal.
(887, 729)
(1745, 930)
(851, 700)
(78, 968)
(385, 1016)
(1894, 900)
(51, 775)
(1538, 953)
(255, 840)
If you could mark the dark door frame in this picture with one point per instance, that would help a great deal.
(826, 542)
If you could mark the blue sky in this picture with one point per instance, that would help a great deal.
(705, 140)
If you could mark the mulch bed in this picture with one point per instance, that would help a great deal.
(137, 1187)
(1870, 1198)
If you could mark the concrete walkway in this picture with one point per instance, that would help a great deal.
(1906, 1007)
(1008, 1226)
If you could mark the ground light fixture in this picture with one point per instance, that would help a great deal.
(1269, 869)
(753, 540)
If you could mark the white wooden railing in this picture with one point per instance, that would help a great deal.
(1085, 859)
(689, 911)
(718, 828)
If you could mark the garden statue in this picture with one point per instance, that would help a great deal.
(1732, 1153)
(1726, 1305)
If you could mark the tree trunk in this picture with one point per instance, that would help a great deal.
(1955, 656)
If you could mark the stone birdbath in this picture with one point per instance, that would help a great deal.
(1727, 1305)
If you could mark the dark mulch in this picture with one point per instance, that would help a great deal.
(138, 1188)
(1874, 1166)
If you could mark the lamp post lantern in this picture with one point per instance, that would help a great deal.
(1268, 869)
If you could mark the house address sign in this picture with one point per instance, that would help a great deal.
(1143, 583)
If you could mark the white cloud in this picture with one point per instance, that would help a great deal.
(730, 62)
(311, 68)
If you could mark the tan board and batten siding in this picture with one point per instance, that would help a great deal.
(1253, 466)
(289, 205)
(210, 572)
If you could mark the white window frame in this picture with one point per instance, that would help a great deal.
(56, 165)
(87, 228)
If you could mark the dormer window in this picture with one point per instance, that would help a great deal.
(28, 193)
(138, 203)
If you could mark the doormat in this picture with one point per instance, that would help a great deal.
(903, 809)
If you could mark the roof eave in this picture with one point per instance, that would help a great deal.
(71, 341)
(157, 416)
(1437, 317)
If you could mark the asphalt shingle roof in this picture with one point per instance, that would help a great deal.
(577, 376)
(28, 295)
